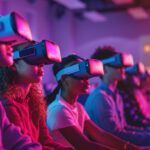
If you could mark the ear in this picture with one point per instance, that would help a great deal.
(63, 79)
(13, 67)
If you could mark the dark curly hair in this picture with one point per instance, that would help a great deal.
(10, 89)
(104, 52)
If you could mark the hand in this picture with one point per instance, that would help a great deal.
(145, 148)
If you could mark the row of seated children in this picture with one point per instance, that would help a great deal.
(23, 101)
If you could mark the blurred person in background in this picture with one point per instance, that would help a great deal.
(135, 103)
(105, 106)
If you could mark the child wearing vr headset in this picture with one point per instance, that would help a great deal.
(135, 104)
(20, 93)
(66, 118)
(105, 106)
(22, 96)
(145, 83)
(10, 135)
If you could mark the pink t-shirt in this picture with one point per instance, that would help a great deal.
(61, 114)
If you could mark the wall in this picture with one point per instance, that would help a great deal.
(80, 35)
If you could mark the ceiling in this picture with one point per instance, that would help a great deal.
(102, 6)
(110, 5)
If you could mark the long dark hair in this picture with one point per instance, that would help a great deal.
(56, 68)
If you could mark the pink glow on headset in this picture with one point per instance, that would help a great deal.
(53, 51)
(141, 68)
(127, 59)
(96, 67)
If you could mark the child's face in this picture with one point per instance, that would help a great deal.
(6, 55)
(77, 86)
(116, 73)
(74, 85)
(29, 73)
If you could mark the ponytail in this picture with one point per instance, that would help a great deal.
(51, 97)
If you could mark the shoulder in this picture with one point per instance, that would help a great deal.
(98, 95)
(55, 105)
(80, 106)
(56, 109)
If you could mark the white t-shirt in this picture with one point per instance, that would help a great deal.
(61, 114)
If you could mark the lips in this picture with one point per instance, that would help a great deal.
(41, 73)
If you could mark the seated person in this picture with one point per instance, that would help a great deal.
(133, 98)
(67, 119)
(104, 105)
(10, 135)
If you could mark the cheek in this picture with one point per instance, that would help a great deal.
(121, 72)
(32, 73)
(25, 70)
(74, 85)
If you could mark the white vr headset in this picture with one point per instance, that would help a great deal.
(119, 60)
(136, 69)
(45, 52)
(14, 29)
(85, 69)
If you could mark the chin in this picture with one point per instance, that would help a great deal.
(121, 78)
(39, 80)
(84, 91)
(36, 80)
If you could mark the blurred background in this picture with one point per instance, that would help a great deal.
(80, 26)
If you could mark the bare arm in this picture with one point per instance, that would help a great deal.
(106, 138)
(79, 140)
(46, 141)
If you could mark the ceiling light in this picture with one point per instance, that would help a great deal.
(146, 48)
(138, 13)
(72, 4)
(94, 16)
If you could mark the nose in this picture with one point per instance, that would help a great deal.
(123, 70)
(41, 65)
(9, 48)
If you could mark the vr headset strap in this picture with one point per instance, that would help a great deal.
(67, 71)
